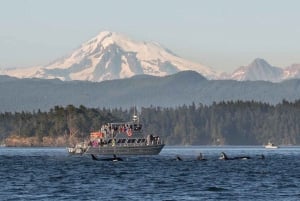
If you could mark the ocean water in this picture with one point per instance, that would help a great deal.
(52, 174)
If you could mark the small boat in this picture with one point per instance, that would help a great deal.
(271, 146)
(124, 138)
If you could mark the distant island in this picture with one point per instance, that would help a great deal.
(223, 123)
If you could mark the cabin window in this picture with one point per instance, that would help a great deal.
(131, 140)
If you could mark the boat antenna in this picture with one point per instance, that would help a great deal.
(135, 117)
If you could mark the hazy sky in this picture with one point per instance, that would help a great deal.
(222, 34)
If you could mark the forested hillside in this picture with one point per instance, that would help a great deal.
(224, 123)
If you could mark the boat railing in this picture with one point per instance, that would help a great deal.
(126, 142)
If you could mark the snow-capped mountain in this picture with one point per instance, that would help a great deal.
(111, 55)
(260, 69)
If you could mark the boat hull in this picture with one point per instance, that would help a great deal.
(271, 147)
(125, 150)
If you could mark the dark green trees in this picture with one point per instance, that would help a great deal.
(231, 123)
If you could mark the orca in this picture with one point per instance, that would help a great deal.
(242, 157)
(114, 158)
(178, 158)
(200, 157)
(94, 157)
(225, 157)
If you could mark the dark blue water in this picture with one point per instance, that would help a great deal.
(52, 174)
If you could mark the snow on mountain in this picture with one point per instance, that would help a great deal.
(111, 55)
(292, 71)
(259, 69)
(22, 72)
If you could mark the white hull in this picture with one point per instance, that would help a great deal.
(271, 147)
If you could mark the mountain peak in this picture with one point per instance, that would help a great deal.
(258, 69)
(106, 38)
(259, 62)
(111, 55)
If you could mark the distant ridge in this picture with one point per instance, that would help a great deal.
(142, 90)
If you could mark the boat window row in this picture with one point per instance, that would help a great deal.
(118, 141)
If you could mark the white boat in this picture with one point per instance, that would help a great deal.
(271, 146)
(124, 138)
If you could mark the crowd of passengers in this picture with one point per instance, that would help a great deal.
(111, 128)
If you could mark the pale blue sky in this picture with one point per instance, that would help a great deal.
(222, 34)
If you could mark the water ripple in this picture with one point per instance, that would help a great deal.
(51, 174)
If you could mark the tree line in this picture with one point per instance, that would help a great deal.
(224, 123)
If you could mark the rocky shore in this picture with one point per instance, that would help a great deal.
(61, 141)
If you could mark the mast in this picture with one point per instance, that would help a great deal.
(135, 117)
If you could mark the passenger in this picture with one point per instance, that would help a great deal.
(151, 139)
(148, 140)
(95, 143)
(113, 142)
